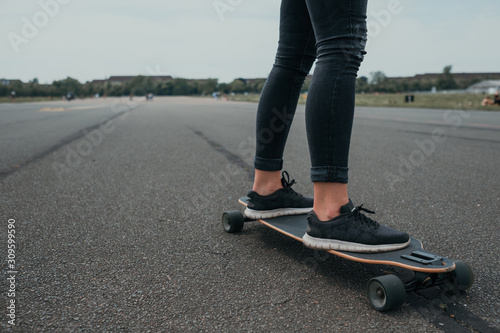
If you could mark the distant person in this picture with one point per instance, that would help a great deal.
(487, 101)
(13, 96)
(334, 34)
(496, 99)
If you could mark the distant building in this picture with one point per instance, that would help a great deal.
(7, 82)
(119, 80)
(456, 76)
(485, 87)
(463, 79)
(99, 82)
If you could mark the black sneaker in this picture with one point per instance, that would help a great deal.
(284, 201)
(352, 231)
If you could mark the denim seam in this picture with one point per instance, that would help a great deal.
(351, 34)
(311, 33)
(331, 152)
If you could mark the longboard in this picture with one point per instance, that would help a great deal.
(385, 292)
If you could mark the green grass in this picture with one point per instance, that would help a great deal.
(28, 99)
(255, 98)
(245, 98)
(434, 101)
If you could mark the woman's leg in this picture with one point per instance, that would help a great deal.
(294, 58)
(335, 223)
(272, 194)
(340, 32)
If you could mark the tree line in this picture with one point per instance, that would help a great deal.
(143, 85)
(137, 86)
(379, 82)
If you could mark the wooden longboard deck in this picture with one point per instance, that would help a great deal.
(413, 257)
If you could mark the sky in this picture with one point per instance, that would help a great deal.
(227, 39)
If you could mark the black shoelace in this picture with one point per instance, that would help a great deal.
(358, 217)
(287, 184)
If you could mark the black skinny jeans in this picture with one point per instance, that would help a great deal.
(334, 33)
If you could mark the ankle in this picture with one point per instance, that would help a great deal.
(267, 182)
(326, 214)
(328, 198)
(266, 189)
(327, 208)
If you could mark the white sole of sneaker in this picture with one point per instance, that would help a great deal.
(332, 244)
(268, 214)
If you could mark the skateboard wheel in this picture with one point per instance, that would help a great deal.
(386, 292)
(233, 221)
(462, 276)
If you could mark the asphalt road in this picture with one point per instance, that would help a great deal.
(117, 209)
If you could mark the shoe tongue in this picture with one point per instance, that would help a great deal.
(347, 208)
